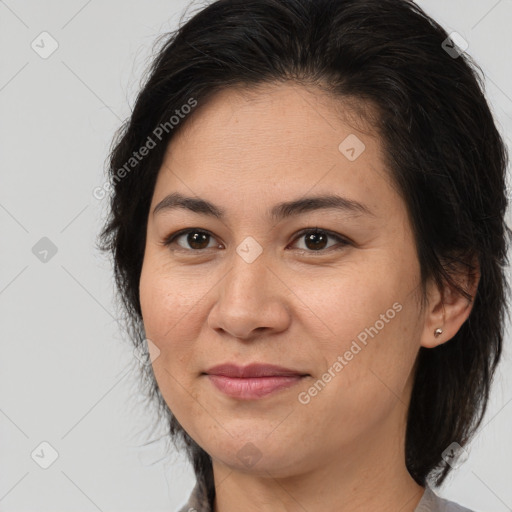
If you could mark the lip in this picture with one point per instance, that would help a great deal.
(253, 370)
(253, 387)
(253, 381)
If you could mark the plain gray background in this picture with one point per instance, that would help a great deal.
(66, 371)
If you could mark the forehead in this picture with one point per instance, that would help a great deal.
(268, 115)
(285, 138)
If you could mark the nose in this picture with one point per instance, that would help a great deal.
(250, 301)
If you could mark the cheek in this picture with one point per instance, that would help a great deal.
(168, 300)
(352, 303)
(371, 318)
(365, 371)
(167, 316)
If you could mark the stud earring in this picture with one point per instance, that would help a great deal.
(438, 332)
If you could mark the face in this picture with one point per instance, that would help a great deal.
(327, 289)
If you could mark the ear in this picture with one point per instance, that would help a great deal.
(447, 309)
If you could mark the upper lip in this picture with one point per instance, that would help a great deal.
(252, 370)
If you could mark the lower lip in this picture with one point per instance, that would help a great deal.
(252, 388)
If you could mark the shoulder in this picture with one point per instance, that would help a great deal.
(431, 502)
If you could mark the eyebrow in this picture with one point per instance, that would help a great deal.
(278, 212)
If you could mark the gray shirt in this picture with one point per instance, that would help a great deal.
(430, 502)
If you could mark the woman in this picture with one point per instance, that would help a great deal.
(307, 226)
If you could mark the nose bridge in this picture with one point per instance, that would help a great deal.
(248, 296)
(248, 276)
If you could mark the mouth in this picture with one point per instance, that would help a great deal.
(253, 381)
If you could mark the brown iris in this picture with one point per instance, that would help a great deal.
(316, 240)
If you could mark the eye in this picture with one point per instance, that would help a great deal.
(316, 238)
(197, 239)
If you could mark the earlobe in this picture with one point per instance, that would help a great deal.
(447, 311)
(434, 317)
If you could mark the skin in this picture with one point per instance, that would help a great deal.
(294, 305)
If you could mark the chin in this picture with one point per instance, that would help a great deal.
(258, 455)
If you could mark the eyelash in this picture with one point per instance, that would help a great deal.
(168, 241)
